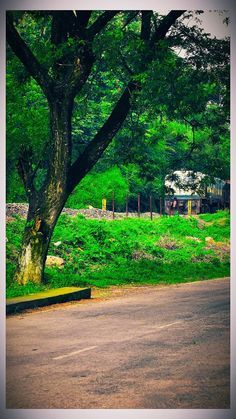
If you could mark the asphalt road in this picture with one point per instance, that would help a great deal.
(152, 348)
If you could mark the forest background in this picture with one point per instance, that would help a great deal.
(179, 120)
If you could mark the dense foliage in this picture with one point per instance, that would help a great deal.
(180, 119)
(97, 186)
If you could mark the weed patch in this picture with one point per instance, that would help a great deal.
(128, 251)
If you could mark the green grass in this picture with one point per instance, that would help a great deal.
(129, 251)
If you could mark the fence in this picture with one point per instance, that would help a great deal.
(168, 206)
(139, 203)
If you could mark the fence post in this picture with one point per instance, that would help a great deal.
(151, 207)
(113, 205)
(189, 207)
(126, 206)
(160, 205)
(104, 204)
(139, 205)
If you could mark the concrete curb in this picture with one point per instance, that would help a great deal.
(59, 295)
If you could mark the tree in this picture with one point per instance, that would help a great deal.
(175, 132)
(62, 50)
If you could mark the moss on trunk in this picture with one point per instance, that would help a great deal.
(33, 254)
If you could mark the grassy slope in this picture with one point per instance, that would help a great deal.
(133, 251)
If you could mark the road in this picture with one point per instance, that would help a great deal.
(152, 348)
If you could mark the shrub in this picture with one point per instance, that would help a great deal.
(136, 251)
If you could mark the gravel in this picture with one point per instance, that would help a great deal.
(21, 209)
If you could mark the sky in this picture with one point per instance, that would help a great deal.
(212, 22)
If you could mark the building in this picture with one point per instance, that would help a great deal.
(189, 192)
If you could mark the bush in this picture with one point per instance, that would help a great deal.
(96, 186)
(136, 251)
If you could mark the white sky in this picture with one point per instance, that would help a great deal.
(212, 22)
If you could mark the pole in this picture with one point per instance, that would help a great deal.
(113, 205)
(139, 205)
(126, 206)
(104, 204)
(151, 207)
(189, 207)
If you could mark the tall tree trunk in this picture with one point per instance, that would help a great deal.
(39, 227)
(46, 204)
(34, 249)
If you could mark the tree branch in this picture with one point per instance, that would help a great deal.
(73, 68)
(26, 56)
(83, 17)
(65, 23)
(166, 23)
(146, 24)
(131, 17)
(97, 146)
(80, 71)
(101, 22)
(25, 169)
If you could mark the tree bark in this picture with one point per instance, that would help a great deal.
(41, 220)
(46, 204)
(34, 249)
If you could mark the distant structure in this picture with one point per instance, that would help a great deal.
(187, 192)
